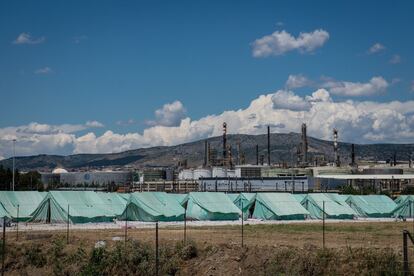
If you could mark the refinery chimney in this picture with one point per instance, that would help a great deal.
(224, 144)
(257, 154)
(353, 155)
(268, 145)
(304, 150)
(337, 162)
(206, 153)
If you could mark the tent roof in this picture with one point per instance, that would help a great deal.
(281, 204)
(26, 200)
(214, 202)
(332, 207)
(157, 204)
(367, 205)
(233, 197)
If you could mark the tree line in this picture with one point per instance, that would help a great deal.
(22, 181)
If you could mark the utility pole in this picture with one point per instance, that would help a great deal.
(14, 154)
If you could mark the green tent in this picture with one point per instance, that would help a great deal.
(278, 206)
(232, 197)
(245, 202)
(341, 199)
(178, 197)
(114, 202)
(20, 203)
(84, 207)
(3, 213)
(299, 197)
(401, 198)
(314, 203)
(153, 206)
(210, 206)
(373, 206)
(405, 208)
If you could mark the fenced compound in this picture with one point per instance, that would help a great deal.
(310, 236)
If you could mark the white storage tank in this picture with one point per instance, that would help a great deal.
(186, 174)
(201, 173)
(219, 172)
(231, 173)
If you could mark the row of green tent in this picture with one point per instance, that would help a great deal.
(89, 206)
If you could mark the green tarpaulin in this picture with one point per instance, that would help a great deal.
(278, 206)
(341, 199)
(374, 206)
(315, 203)
(405, 208)
(299, 197)
(20, 203)
(179, 197)
(245, 202)
(210, 206)
(401, 198)
(152, 207)
(116, 202)
(84, 207)
(232, 197)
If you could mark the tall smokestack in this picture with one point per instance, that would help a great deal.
(206, 152)
(257, 154)
(395, 158)
(336, 154)
(304, 150)
(268, 145)
(224, 144)
(238, 152)
(353, 155)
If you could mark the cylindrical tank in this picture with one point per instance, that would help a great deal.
(201, 173)
(186, 175)
(219, 172)
(231, 173)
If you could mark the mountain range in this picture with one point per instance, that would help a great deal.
(283, 149)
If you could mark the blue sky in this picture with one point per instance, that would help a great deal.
(116, 62)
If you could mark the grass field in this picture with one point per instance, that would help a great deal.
(369, 247)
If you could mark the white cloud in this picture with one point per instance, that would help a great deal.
(170, 114)
(283, 99)
(126, 123)
(376, 48)
(395, 59)
(297, 81)
(25, 38)
(357, 121)
(351, 89)
(91, 124)
(43, 71)
(281, 42)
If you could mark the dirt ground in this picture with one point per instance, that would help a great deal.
(221, 252)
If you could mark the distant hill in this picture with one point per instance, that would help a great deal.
(283, 149)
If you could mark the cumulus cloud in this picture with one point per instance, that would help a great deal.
(357, 121)
(281, 42)
(170, 114)
(126, 123)
(395, 59)
(26, 38)
(346, 88)
(376, 48)
(288, 100)
(297, 81)
(43, 71)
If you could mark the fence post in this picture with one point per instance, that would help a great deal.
(126, 224)
(185, 226)
(405, 253)
(156, 249)
(67, 230)
(3, 246)
(17, 224)
(242, 225)
(323, 224)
